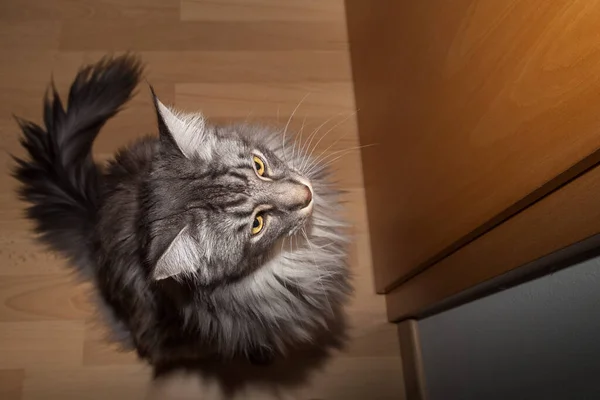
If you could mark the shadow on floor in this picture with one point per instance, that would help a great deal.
(284, 373)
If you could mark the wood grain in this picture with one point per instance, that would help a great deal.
(72, 382)
(11, 384)
(99, 351)
(262, 10)
(235, 61)
(477, 105)
(42, 297)
(567, 216)
(21, 256)
(274, 67)
(141, 34)
(258, 100)
(38, 35)
(342, 379)
(66, 10)
(41, 344)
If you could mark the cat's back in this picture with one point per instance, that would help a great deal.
(123, 181)
(119, 239)
(132, 163)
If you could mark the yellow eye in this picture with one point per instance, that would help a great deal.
(259, 165)
(258, 224)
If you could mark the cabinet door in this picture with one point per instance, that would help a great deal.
(477, 108)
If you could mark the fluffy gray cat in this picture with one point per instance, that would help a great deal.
(203, 241)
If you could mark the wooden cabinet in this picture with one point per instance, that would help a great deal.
(479, 110)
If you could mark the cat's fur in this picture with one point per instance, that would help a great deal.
(164, 230)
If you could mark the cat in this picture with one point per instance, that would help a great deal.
(202, 241)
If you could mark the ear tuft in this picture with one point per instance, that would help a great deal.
(185, 131)
(181, 257)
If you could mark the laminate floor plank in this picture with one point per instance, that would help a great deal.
(236, 61)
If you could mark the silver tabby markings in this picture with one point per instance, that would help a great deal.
(220, 239)
(285, 281)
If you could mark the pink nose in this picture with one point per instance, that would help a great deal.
(308, 196)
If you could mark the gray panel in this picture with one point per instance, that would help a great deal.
(539, 340)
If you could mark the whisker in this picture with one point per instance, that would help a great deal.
(297, 247)
(311, 137)
(331, 129)
(248, 116)
(323, 246)
(296, 142)
(344, 152)
(318, 271)
(290, 120)
(322, 164)
(282, 244)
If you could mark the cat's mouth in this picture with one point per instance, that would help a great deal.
(298, 227)
(303, 220)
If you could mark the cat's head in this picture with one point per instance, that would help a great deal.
(219, 199)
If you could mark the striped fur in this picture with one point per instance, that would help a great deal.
(165, 234)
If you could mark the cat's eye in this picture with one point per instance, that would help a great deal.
(258, 224)
(259, 165)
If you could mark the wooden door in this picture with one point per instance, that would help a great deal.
(478, 109)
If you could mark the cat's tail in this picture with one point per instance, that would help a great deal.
(60, 180)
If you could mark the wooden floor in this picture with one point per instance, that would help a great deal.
(232, 59)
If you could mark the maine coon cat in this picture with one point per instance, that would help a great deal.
(203, 240)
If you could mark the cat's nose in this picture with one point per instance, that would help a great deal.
(308, 196)
(292, 196)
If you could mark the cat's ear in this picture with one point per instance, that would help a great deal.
(182, 257)
(185, 132)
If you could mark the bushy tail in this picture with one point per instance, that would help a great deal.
(60, 180)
